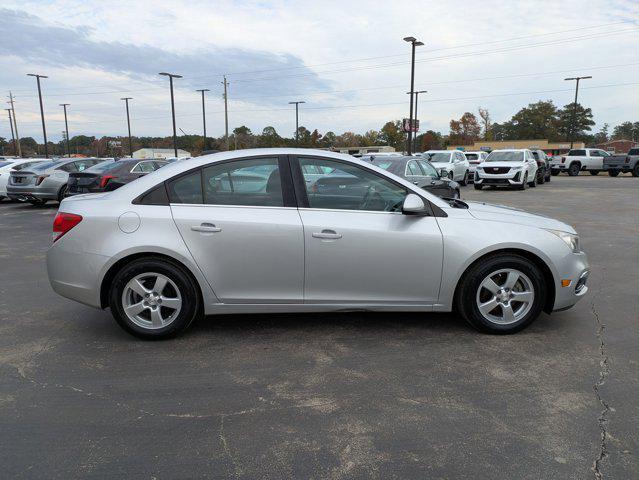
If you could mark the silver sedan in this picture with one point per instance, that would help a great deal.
(291, 230)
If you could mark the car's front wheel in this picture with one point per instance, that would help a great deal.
(464, 180)
(501, 294)
(613, 173)
(554, 173)
(153, 298)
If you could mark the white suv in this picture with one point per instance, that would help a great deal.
(578, 159)
(474, 159)
(507, 168)
(450, 163)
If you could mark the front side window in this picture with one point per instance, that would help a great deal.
(577, 153)
(429, 170)
(412, 168)
(249, 182)
(351, 187)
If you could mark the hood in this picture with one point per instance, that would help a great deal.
(498, 213)
(501, 164)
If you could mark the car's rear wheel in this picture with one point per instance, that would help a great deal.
(501, 294)
(635, 171)
(37, 202)
(554, 173)
(541, 176)
(154, 299)
(594, 172)
(62, 193)
(613, 173)
(477, 186)
(574, 169)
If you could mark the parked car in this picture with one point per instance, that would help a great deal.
(615, 164)
(543, 166)
(186, 244)
(107, 176)
(46, 181)
(13, 165)
(451, 163)
(474, 159)
(578, 159)
(420, 173)
(507, 168)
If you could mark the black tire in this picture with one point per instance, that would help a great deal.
(524, 184)
(62, 193)
(635, 171)
(533, 184)
(464, 180)
(477, 186)
(191, 308)
(541, 177)
(594, 172)
(469, 285)
(37, 202)
(548, 176)
(574, 169)
(613, 173)
(554, 173)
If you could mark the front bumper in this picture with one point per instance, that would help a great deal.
(575, 269)
(558, 166)
(509, 179)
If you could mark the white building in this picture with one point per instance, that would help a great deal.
(163, 153)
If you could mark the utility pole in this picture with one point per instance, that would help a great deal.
(15, 124)
(297, 121)
(13, 138)
(226, 112)
(44, 129)
(414, 43)
(171, 77)
(416, 119)
(203, 116)
(66, 126)
(574, 110)
(128, 124)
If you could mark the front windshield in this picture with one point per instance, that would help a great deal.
(505, 157)
(442, 157)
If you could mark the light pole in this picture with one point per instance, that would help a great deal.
(414, 43)
(297, 121)
(203, 116)
(416, 119)
(44, 129)
(13, 138)
(574, 110)
(128, 123)
(171, 77)
(66, 126)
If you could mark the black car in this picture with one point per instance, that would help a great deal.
(109, 176)
(543, 166)
(418, 171)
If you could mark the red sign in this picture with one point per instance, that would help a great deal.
(409, 126)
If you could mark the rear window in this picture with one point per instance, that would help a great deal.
(385, 164)
(472, 156)
(4, 164)
(633, 151)
(104, 167)
(45, 166)
(577, 153)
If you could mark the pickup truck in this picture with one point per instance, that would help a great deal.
(578, 159)
(629, 162)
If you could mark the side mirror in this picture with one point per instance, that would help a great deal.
(413, 204)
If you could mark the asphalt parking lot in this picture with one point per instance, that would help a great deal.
(329, 396)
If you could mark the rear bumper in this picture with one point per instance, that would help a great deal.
(31, 192)
(622, 167)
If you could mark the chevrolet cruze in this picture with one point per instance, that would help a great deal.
(257, 231)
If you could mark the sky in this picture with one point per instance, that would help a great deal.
(346, 60)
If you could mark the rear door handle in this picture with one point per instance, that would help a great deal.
(206, 228)
(327, 234)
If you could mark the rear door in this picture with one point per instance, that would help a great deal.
(240, 222)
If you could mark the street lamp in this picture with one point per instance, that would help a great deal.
(44, 129)
(128, 123)
(574, 110)
(203, 116)
(171, 77)
(416, 119)
(297, 124)
(414, 43)
(66, 126)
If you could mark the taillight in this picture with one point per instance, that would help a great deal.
(64, 222)
(105, 179)
(39, 179)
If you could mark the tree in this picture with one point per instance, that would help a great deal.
(430, 140)
(392, 134)
(243, 137)
(537, 120)
(269, 138)
(370, 138)
(348, 139)
(315, 138)
(626, 131)
(602, 135)
(304, 136)
(575, 122)
(465, 130)
(328, 140)
(485, 120)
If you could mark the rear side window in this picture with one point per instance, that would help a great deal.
(187, 188)
(143, 167)
(157, 196)
(412, 168)
(577, 153)
(250, 182)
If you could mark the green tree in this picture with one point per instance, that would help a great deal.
(430, 140)
(576, 121)
(269, 138)
(537, 120)
(316, 137)
(392, 134)
(465, 130)
(304, 137)
(602, 135)
(626, 131)
(370, 138)
(486, 123)
(328, 140)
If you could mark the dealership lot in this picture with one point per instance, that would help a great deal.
(352, 395)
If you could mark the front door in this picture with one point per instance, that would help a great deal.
(239, 222)
(359, 247)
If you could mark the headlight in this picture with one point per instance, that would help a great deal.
(516, 169)
(569, 239)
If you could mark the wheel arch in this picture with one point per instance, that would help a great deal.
(549, 278)
(112, 271)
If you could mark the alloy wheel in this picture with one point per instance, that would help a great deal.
(505, 296)
(151, 300)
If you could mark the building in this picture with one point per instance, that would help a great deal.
(363, 150)
(148, 153)
(618, 146)
(551, 148)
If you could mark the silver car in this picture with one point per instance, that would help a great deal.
(46, 181)
(243, 231)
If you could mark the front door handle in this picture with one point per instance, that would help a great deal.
(327, 234)
(206, 228)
